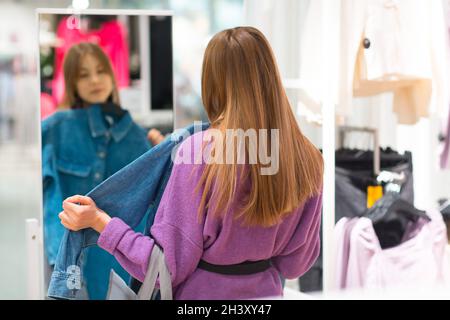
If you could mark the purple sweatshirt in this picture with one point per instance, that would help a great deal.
(293, 245)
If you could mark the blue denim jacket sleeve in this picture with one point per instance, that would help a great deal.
(131, 194)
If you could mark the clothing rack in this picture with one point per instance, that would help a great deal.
(344, 130)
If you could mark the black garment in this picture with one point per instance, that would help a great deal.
(356, 159)
(311, 281)
(354, 176)
(354, 172)
(446, 210)
(391, 216)
(351, 190)
(111, 112)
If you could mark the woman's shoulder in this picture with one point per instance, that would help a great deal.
(60, 116)
(190, 151)
(193, 140)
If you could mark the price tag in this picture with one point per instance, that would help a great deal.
(374, 193)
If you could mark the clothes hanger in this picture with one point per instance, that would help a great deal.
(390, 216)
(392, 204)
(444, 207)
(343, 130)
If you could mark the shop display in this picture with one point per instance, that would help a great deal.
(381, 67)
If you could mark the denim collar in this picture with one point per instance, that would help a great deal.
(98, 128)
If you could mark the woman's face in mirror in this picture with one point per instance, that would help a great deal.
(94, 84)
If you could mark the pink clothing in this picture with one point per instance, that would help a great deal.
(112, 37)
(342, 236)
(420, 260)
(48, 106)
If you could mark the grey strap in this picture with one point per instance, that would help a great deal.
(165, 282)
(156, 266)
(146, 290)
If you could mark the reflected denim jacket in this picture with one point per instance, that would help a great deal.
(79, 151)
(131, 194)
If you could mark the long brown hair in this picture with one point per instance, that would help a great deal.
(72, 66)
(242, 89)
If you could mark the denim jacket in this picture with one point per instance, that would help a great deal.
(131, 194)
(79, 151)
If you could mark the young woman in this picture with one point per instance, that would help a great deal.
(89, 79)
(228, 231)
(84, 143)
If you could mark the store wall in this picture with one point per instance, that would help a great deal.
(282, 23)
(19, 151)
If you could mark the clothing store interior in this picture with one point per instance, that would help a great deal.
(367, 80)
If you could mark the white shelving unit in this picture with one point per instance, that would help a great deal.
(35, 279)
(330, 20)
(330, 58)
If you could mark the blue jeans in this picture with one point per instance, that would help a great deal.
(131, 194)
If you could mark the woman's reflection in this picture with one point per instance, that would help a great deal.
(85, 144)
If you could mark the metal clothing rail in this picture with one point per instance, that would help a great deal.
(343, 130)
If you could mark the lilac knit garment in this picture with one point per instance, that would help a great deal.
(293, 244)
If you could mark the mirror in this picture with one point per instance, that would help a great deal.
(106, 97)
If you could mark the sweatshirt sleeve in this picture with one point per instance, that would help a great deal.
(176, 229)
(304, 247)
(131, 249)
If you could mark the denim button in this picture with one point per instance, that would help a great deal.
(97, 176)
(101, 154)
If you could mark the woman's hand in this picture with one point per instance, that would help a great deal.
(155, 136)
(81, 212)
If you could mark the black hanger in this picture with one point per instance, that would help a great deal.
(363, 159)
(390, 204)
(390, 217)
(444, 208)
